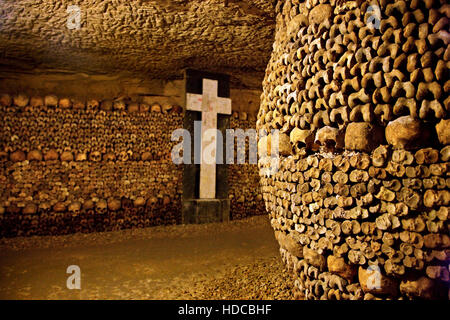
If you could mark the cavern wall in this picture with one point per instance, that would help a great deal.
(360, 201)
(73, 162)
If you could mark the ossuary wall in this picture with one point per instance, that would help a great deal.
(85, 165)
(359, 93)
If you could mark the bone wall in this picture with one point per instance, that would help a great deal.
(243, 179)
(119, 85)
(67, 165)
(360, 202)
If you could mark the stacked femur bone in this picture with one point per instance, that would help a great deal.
(359, 93)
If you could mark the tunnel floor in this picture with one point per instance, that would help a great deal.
(234, 260)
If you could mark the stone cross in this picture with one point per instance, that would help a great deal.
(209, 104)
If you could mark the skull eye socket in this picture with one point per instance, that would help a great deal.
(338, 119)
(331, 144)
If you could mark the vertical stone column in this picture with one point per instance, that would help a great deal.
(195, 209)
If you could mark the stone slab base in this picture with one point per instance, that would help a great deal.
(196, 211)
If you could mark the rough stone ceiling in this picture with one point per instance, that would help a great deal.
(154, 39)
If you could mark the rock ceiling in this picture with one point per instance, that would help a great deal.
(152, 39)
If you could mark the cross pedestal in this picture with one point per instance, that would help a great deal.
(208, 206)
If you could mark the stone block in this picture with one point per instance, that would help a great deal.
(197, 211)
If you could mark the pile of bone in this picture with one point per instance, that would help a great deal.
(244, 193)
(86, 221)
(246, 199)
(53, 197)
(359, 93)
(41, 131)
(35, 187)
(24, 102)
(385, 213)
(330, 67)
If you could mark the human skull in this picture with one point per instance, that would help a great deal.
(81, 156)
(110, 157)
(95, 156)
(124, 156)
(119, 105)
(330, 138)
(36, 101)
(75, 207)
(92, 104)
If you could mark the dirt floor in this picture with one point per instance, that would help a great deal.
(235, 260)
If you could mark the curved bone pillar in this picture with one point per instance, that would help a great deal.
(360, 202)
